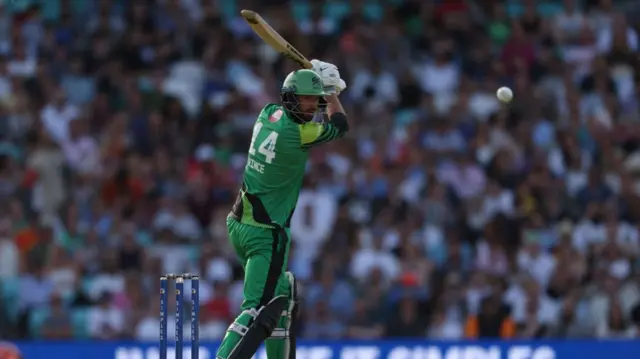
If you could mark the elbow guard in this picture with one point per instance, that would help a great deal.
(339, 120)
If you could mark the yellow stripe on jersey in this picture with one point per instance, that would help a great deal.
(309, 132)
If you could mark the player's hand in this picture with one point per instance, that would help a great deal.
(329, 74)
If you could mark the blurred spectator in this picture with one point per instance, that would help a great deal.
(491, 321)
(615, 326)
(322, 324)
(372, 258)
(217, 313)
(36, 290)
(45, 172)
(406, 321)
(148, 326)
(634, 331)
(9, 256)
(105, 320)
(58, 324)
(337, 293)
(364, 324)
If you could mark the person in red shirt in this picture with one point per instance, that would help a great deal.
(219, 307)
(122, 186)
(518, 53)
(204, 167)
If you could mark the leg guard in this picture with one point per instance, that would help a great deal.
(282, 342)
(261, 324)
(294, 319)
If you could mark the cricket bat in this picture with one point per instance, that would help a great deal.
(273, 39)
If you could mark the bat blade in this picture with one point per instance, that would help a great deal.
(274, 39)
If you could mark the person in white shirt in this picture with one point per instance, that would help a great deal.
(56, 115)
(530, 304)
(105, 321)
(9, 256)
(312, 221)
(81, 151)
(375, 257)
(619, 27)
(538, 263)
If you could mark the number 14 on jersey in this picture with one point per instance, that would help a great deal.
(268, 146)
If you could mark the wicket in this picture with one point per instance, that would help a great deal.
(195, 314)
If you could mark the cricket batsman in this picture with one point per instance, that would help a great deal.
(258, 224)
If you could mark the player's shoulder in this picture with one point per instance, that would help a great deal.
(275, 117)
(273, 113)
(270, 108)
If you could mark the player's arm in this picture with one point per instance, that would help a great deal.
(314, 133)
(334, 105)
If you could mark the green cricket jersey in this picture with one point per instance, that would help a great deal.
(276, 165)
